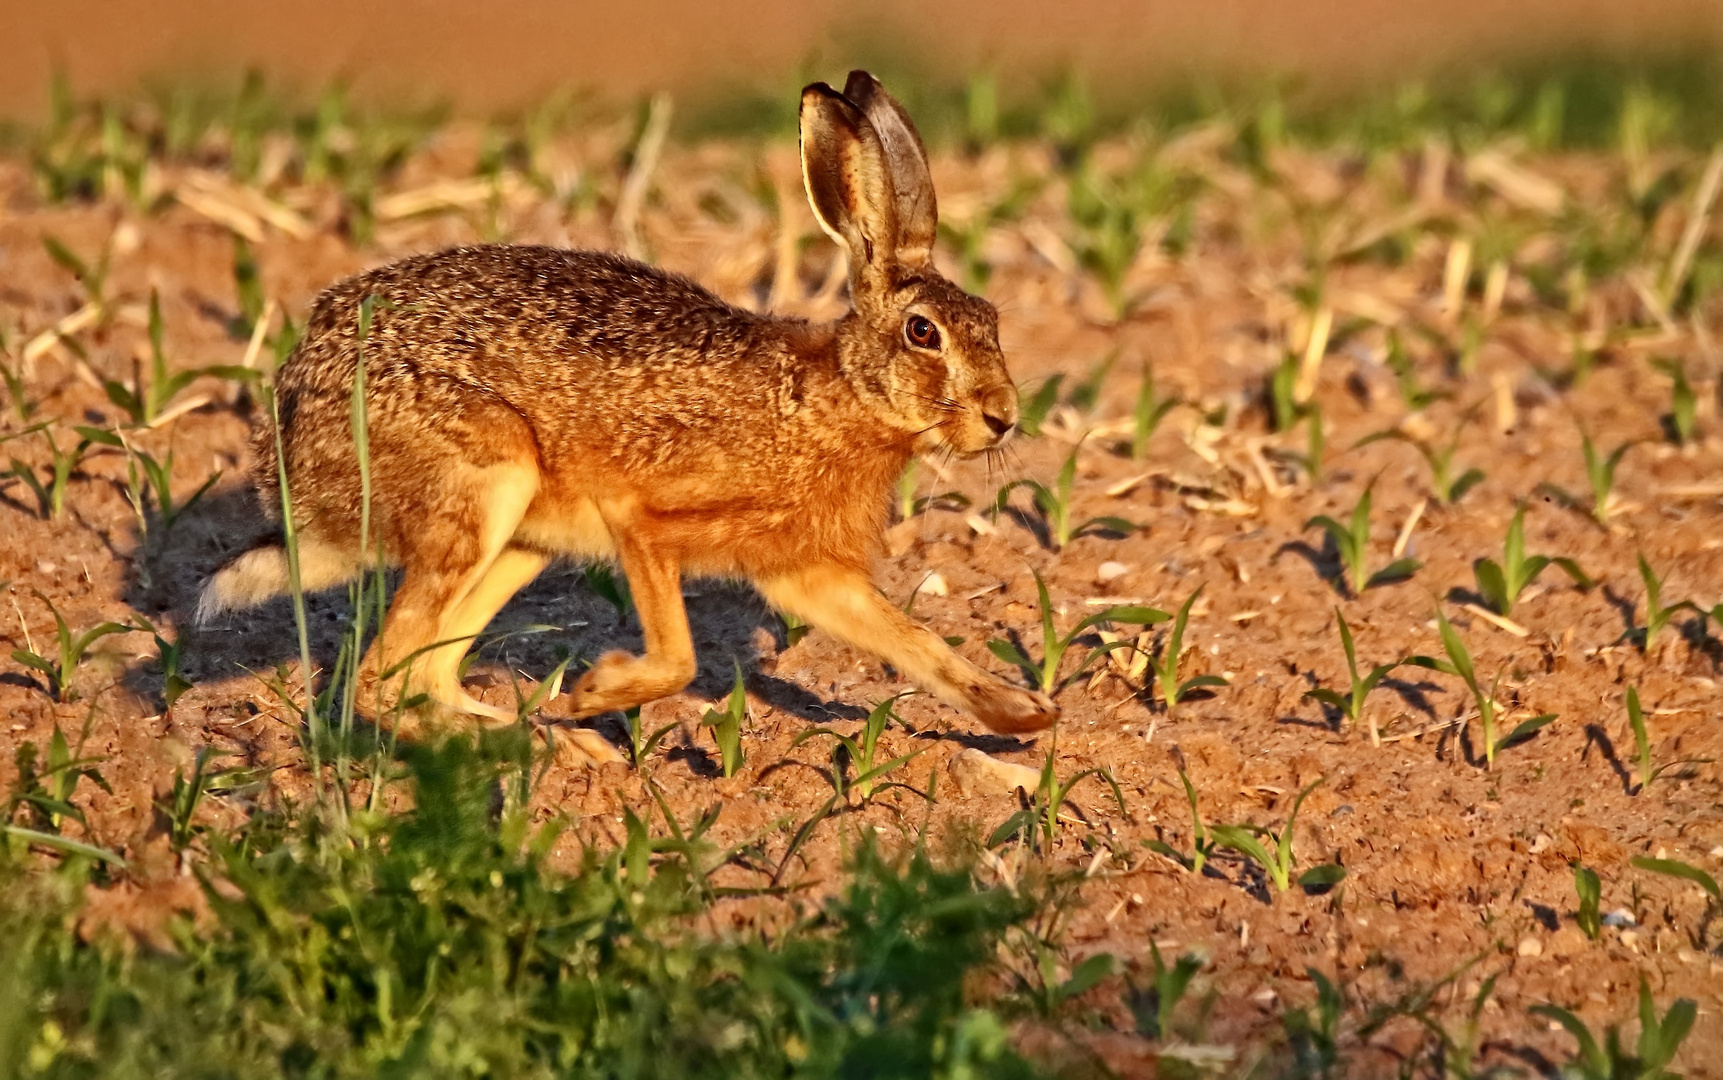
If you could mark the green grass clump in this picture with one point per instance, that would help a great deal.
(438, 942)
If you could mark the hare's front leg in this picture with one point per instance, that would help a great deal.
(619, 681)
(845, 603)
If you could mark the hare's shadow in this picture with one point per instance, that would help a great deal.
(555, 617)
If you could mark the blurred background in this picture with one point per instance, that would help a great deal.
(497, 55)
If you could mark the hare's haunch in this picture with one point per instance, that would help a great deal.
(529, 403)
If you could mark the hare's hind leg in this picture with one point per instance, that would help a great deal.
(843, 602)
(620, 681)
(460, 571)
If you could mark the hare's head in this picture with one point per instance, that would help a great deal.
(924, 353)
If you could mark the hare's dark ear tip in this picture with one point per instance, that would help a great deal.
(860, 86)
(819, 90)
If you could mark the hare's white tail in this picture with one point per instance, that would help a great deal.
(261, 574)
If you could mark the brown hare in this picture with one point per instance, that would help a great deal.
(530, 403)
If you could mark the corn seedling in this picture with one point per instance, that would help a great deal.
(1447, 487)
(188, 793)
(1146, 416)
(1414, 396)
(1657, 616)
(1054, 505)
(1659, 1039)
(1500, 584)
(863, 752)
(1285, 410)
(1033, 408)
(1351, 703)
(40, 800)
(640, 744)
(1642, 745)
(909, 504)
(148, 479)
(22, 407)
(1277, 861)
(247, 289)
(1352, 541)
(63, 666)
(1683, 403)
(1459, 663)
(1038, 822)
(92, 276)
(1683, 871)
(1589, 891)
(1045, 675)
(51, 496)
(1166, 664)
(145, 402)
(1153, 1005)
(1599, 476)
(1202, 845)
(727, 727)
(795, 629)
(1084, 396)
(967, 238)
(613, 589)
(1313, 1032)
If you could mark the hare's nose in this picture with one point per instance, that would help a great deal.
(999, 425)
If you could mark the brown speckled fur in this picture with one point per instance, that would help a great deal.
(527, 403)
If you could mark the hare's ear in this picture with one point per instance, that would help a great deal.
(844, 168)
(906, 161)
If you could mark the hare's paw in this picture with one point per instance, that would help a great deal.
(580, 748)
(1011, 709)
(619, 681)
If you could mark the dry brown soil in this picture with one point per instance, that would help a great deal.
(1448, 861)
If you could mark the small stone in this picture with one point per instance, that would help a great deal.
(978, 774)
(1568, 941)
(43, 566)
(1109, 572)
(1620, 917)
(1530, 946)
(934, 584)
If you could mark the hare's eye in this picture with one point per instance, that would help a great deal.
(921, 332)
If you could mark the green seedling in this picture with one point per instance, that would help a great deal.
(1351, 704)
(1084, 396)
(1447, 488)
(1352, 540)
(1589, 891)
(1313, 1033)
(22, 407)
(863, 752)
(1500, 584)
(1153, 1005)
(1039, 821)
(147, 479)
(909, 504)
(1459, 663)
(727, 727)
(611, 587)
(794, 628)
(1683, 403)
(1642, 744)
(1202, 846)
(967, 238)
(1599, 475)
(51, 496)
(1279, 860)
(1045, 675)
(41, 799)
(188, 793)
(1284, 407)
(1315, 445)
(1675, 868)
(247, 289)
(640, 744)
(1166, 664)
(1657, 616)
(1054, 505)
(1658, 1041)
(1033, 408)
(1150, 410)
(1415, 397)
(145, 402)
(61, 668)
(92, 276)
